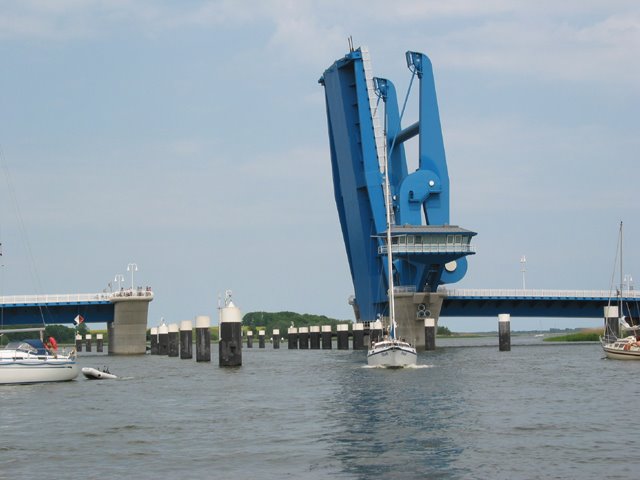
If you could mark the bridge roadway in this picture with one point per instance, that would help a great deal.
(124, 312)
(531, 303)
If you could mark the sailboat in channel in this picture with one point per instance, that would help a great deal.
(390, 352)
(627, 347)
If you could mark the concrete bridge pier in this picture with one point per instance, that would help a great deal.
(128, 331)
(412, 308)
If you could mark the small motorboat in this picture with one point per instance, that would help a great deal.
(95, 374)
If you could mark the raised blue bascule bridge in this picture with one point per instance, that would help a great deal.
(365, 133)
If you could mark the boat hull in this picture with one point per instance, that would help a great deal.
(37, 371)
(617, 353)
(392, 355)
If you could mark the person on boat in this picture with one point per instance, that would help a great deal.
(52, 346)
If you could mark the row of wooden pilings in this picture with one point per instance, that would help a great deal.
(87, 342)
(173, 340)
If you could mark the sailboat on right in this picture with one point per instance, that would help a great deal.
(620, 316)
(390, 352)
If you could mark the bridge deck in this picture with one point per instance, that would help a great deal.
(532, 303)
(63, 308)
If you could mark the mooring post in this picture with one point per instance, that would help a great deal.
(275, 338)
(303, 338)
(292, 338)
(326, 337)
(153, 333)
(230, 345)
(186, 339)
(429, 333)
(611, 323)
(87, 341)
(249, 338)
(203, 339)
(174, 340)
(261, 334)
(78, 343)
(99, 343)
(358, 336)
(314, 337)
(163, 339)
(343, 337)
(504, 332)
(375, 332)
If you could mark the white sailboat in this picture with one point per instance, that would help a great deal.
(31, 361)
(628, 347)
(390, 352)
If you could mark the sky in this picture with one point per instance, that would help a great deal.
(190, 138)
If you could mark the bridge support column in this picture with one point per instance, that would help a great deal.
(128, 331)
(412, 308)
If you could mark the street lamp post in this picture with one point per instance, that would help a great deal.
(523, 263)
(132, 267)
(119, 278)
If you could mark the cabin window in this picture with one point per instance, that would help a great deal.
(410, 239)
(418, 239)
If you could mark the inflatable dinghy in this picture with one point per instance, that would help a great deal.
(95, 374)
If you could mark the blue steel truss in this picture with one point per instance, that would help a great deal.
(428, 250)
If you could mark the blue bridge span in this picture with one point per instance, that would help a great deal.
(124, 312)
(367, 136)
(468, 303)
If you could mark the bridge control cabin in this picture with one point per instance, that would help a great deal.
(426, 250)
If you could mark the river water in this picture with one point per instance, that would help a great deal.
(467, 412)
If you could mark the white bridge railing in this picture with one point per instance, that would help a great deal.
(519, 293)
(73, 297)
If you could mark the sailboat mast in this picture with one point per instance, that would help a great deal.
(387, 201)
(620, 313)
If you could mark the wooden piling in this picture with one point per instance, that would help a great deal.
(163, 340)
(275, 338)
(186, 339)
(292, 338)
(230, 345)
(303, 338)
(203, 339)
(429, 334)
(504, 332)
(153, 333)
(326, 337)
(343, 336)
(174, 340)
(358, 336)
(611, 323)
(314, 337)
